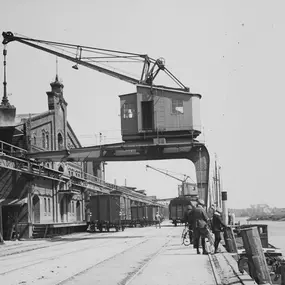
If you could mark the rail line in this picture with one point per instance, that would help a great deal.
(50, 258)
(215, 264)
(56, 243)
(140, 268)
(100, 262)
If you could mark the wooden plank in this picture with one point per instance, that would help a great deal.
(230, 240)
(255, 255)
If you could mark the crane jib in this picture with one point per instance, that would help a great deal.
(148, 75)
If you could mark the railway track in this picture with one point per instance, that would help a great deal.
(41, 260)
(224, 271)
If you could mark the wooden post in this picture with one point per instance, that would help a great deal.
(1, 227)
(255, 255)
(282, 272)
(230, 240)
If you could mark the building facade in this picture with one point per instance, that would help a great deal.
(52, 200)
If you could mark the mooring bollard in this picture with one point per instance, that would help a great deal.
(230, 240)
(255, 255)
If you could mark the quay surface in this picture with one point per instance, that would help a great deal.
(136, 256)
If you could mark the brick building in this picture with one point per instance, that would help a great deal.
(54, 200)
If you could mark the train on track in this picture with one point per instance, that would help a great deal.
(177, 208)
(114, 211)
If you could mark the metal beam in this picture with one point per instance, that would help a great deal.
(138, 151)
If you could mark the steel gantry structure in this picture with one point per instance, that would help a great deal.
(174, 148)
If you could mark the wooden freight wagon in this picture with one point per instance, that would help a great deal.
(177, 208)
(151, 212)
(107, 212)
(170, 112)
(139, 215)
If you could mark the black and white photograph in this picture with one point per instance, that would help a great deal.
(141, 142)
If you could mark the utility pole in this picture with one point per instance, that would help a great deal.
(216, 183)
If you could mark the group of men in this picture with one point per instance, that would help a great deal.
(200, 223)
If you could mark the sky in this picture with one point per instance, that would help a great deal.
(230, 52)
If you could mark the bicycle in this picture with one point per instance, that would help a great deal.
(186, 236)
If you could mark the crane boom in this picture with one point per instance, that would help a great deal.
(165, 173)
(150, 69)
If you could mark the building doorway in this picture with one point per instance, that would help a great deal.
(147, 115)
(36, 209)
(78, 216)
(63, 209)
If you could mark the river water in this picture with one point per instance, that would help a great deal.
(276, 232)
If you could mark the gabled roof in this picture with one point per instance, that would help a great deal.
(74, 135)
(37, 116)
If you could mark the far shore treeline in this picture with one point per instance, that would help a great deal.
(260, 212)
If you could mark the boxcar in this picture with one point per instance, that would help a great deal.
(151, 212)
(108, 211)
(139, 215)
(177, 208)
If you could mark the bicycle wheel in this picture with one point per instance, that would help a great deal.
(186, 239)
(183, 234)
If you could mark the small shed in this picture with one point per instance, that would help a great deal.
(161, 112)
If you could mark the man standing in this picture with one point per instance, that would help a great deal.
(200, 223)
(157, 219)
(217, 227)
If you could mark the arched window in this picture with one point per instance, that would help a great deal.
(45, 204)
(47, 140)
(60, 141)
(43, 139)
(49, 208)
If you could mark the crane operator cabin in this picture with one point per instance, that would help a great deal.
(159, 112)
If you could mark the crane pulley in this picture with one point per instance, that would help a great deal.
(98, 58)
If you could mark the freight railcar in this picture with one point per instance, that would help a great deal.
(108, 211)
(177, 208)
(139, 215)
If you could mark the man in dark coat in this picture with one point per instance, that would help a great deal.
(200, 224)
(217, 226)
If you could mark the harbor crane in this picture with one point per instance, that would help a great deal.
(98, 58)
(185, 188)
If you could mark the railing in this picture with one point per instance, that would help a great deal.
(7, 148)
(29, 165)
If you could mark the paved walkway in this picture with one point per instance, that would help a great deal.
(134, 257)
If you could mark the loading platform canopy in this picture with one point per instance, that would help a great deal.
(119, 152)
